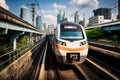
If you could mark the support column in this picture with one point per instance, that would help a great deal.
(14, 43)
(36, 38)
(31, 38)
(14, 38)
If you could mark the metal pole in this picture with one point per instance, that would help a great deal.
(33, 11)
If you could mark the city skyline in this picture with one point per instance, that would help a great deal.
(49, 8)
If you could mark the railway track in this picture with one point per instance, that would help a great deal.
(33, 72)
(89, 70)
(70, 72)
(92, 69)
(50, 71)
(47, 68)
(58, 71)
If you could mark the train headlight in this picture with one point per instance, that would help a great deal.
(62, 43)
(82, 43)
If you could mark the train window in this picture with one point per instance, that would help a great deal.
(71, 32)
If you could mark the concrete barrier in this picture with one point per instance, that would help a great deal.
(17, 68)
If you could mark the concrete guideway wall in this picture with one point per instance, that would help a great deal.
(17, 68)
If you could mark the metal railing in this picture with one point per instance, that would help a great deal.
(9, 57)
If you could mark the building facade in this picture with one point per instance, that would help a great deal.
(76, 17)
(106, 12)
(118, 17)
(25, 13)
(59, 17)
(95, 20)
(39, 22)
(51, 29)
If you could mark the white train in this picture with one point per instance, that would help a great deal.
(70, 43)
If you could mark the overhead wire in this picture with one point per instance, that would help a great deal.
(82, 7)
(115, 6)
(37, 1)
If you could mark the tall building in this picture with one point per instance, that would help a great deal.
(106, 12)
(76, 17)
(39, 22)
(25, 13)
(118, 17)
(64, 18)
(44, 26)
(59, 17)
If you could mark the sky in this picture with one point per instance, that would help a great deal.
(48, 9)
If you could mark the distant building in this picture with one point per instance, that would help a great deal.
(25, 13)
(51, 29)
(118, 17)
(76, 17)
(64, 18)
(95, 20)
(44, 26)
(106, 12)
(59, 17)
(39, 22)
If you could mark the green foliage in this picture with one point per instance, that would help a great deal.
(99, 34)
(95, 33)
(4, 48)
(5, 45)
(22, 41)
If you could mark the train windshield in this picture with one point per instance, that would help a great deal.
(71, 32)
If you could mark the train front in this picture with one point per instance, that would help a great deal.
(71, 44)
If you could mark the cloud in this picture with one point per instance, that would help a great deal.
(3, 4)
(54, 11)
(50, 16)
(56, 6)
(50, 19)
(93, 4)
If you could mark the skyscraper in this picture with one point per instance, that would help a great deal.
(106, 12)
(59, 17)
(25, 13)
(118, 17)
(64, 18)
(39, 22)
(76, 17)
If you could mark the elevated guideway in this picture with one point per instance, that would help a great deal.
(109, 26)
(9, 21)
(14, 26)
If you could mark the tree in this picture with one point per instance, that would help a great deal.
(95, 33)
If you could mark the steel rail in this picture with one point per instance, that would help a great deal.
(102, 69)
(42, 70)
(82, 72)
(31, 72)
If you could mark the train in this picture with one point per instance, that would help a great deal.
(70, 43)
